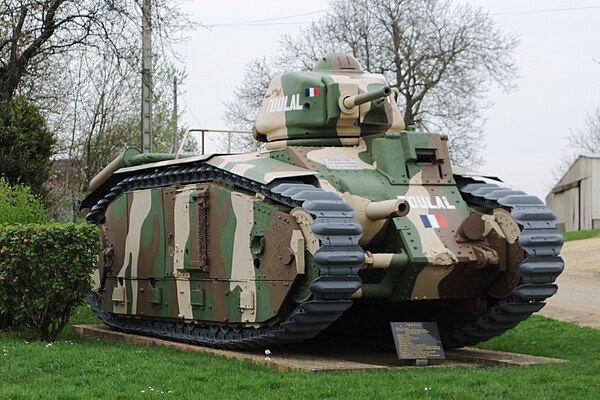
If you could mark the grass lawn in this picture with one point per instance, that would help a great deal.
(577, 235)
(77, 367)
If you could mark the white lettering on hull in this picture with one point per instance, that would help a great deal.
(426, 203)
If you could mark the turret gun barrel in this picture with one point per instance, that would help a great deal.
(356, 100)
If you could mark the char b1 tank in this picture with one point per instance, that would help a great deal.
(346, 222)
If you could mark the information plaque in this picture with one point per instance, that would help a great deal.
(417, 342)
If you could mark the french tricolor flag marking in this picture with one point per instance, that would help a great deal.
(433, 221)
(311, 92)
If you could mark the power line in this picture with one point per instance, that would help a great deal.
(548, 10)
(258, 24)
(258, 21)
(189, 109)
(267, 21)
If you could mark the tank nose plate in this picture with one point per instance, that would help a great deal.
(541, 242)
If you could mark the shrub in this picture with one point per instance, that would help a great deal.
(45, 273)
(18, 205)
(25, 143)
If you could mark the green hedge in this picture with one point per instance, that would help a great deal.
(44, 274)
(18, 205)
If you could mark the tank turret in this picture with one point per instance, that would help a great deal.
(333, 104)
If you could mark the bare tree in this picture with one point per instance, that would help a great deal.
(163, 111)
(588, 139)
(36, 33)
(105, 125)
(33, 31)
(240, 112)
(583, 141)
(106, 118)
(442, 58)
(79, 61)
(101, 121)
(76, 59)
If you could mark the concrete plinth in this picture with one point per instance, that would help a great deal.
(326, 355)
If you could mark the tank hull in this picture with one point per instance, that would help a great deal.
(270, 248)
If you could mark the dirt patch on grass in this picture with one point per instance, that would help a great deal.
(578, 297)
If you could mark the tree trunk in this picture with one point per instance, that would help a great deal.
(8, 85)
(409, 116)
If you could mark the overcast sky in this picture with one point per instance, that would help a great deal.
(526, 130)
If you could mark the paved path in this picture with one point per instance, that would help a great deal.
(578, 297)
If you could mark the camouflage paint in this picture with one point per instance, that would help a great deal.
(214, 253)
(163, 231)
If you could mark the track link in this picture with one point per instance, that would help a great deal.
(541, 242)
(338, 260)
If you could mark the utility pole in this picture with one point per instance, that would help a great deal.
(174, 116)
(146, 134)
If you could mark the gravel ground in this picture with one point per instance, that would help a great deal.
(578, 297)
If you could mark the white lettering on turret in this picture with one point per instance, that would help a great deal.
(288, 107)
(284, 106)
(281, 103)
(425, 202)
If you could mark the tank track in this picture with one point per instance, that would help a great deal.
(541, 242)
(338, 260)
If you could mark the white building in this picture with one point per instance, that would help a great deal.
(576, 197)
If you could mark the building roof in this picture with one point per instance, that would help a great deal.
(560, 185)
